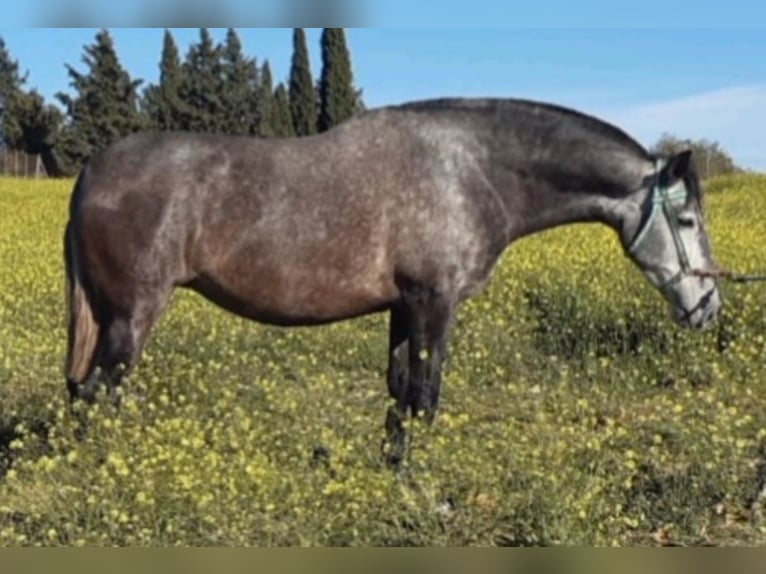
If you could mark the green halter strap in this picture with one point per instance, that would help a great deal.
(662, 200)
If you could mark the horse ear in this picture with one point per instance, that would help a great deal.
(678, 166)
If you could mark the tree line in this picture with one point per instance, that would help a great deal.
(710, 158)
(214, 88)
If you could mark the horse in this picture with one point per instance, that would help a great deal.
(403, 209)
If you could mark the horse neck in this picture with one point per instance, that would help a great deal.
(583, 192)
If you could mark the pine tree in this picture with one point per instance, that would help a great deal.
(266, 100)
(282, 120)
(202, 87)
(105, 107)
(162, 102)
(337, 95)
(240, 97)
(302, 95)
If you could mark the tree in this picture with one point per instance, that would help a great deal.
(11, 90)
(359, 105)
(337, 95)
(105, 107)
(302, 95)
(282, 121)
(709, 157)
(162, 102)
(40, 124)
(266, 101)
(27, 123)
(240, 96)
(202, 86)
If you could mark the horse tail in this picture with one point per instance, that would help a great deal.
(83, 331)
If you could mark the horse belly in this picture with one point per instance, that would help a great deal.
(299, 293)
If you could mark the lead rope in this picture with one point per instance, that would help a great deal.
(730, 276)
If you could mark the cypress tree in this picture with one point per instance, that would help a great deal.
(162, 102)
(337, 95)
(282, 120)
(240, 95)
(202, 87)
(302, 95)
(266, 100)
(105, 107)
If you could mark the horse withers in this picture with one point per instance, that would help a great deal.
(402, 209)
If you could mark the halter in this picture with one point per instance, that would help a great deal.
(662, 200)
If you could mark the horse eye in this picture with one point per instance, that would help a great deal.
(685, 221)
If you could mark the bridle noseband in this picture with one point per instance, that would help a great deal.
(662, 200)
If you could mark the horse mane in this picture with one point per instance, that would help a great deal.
(517, 109)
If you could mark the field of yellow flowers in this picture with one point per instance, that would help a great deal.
(574, 411)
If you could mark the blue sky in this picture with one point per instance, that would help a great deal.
(677, 77)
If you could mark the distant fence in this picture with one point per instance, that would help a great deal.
(19, 164)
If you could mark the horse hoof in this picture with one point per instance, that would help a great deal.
(85, 392)
(115, 396)
(394, 461)
(396, 445)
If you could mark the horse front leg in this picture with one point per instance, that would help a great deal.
(398, 377)
(431, 317)
(398, 356)
(418, 338)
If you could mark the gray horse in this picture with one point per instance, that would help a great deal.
(402, 209)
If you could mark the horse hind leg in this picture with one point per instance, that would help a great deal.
(124, 338)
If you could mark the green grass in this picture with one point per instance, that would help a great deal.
(574, 411)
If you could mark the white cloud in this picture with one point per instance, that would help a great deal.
(735, 117)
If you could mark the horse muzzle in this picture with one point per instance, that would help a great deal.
(703, 313)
